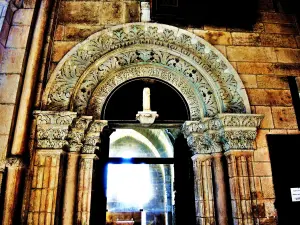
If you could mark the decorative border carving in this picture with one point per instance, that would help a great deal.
(212, 66)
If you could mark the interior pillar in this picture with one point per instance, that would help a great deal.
(240, 186)
(204, 197)
(15, 169)
(48, 163)
(220, 189)
(76, 136)
(84, 189)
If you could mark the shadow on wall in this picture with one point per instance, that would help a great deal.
(228, 13)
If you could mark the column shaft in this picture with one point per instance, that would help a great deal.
(239, 181)
(45, 187)
(204, 199)
(70, 189)
(84, 189)
(220, 189)
(14, 174)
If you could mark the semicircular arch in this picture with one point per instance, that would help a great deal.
(90, 64)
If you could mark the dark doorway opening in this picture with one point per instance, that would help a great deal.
(284, 156)
(126, 100)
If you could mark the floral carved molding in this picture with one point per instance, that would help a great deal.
(223, 132)
(95, 66)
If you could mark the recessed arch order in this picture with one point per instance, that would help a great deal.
(86, 75)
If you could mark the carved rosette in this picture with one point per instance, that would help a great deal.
(76, 135)
(92, 138)
(52, 128)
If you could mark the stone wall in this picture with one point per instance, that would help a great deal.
(263, 57)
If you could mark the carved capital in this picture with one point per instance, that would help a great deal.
(190, 127)
(52, 128)
(240, 120)
(15, 162)
(203, 144)
(92, 138)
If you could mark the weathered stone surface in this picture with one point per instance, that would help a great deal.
(276, 18)
(286, 69)
(59, 33)
(212, 27)
(131, 12)
(5, 122)
(4, 32)
(254, 68)
(222, 49)
(251, 39)
(23, 17)
(267, 121)
(280, 28)
(12, 61)
(18, 36)
(29, 4)
(284, 117)
(80, 32)
(262, 169)
(215, 37)
(287, 55)
(278, 40)
(269, 81)
(262, 155)
(267, 97)
(249, 81)
(112, 13)
(3, 146)
(252, 54)
(9, 87)
(80, 12)
(60, 48)
(298, 41)
(266, 5)
(267, 187)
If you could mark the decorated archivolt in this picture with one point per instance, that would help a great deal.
(92, 69)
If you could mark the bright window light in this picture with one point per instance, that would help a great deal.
(129, 184)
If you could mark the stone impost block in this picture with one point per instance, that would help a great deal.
(287, 55)
(281, 28)
(23, 17)
(60, 48)
(284, 117)
(278, 40)
(275, 82)
(251, 39)
(9, 87)
(81, 12)
(266, 97)
(251, 54)
(18, 36)
(254, 68)
(291, 69)
(267, 121)
(12, 61)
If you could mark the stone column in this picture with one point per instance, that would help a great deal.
(87, 157)
(75, 136)
(202, 144)
(84, 189)
(15, 169)
(239, 134)
(220, 189)
(52, 131)
(204, 197)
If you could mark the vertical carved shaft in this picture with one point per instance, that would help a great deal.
(240, 189)
(220, 189)
(45, 187)
(204, 199)
(14, 172)
(70, 189)
(84, 189)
